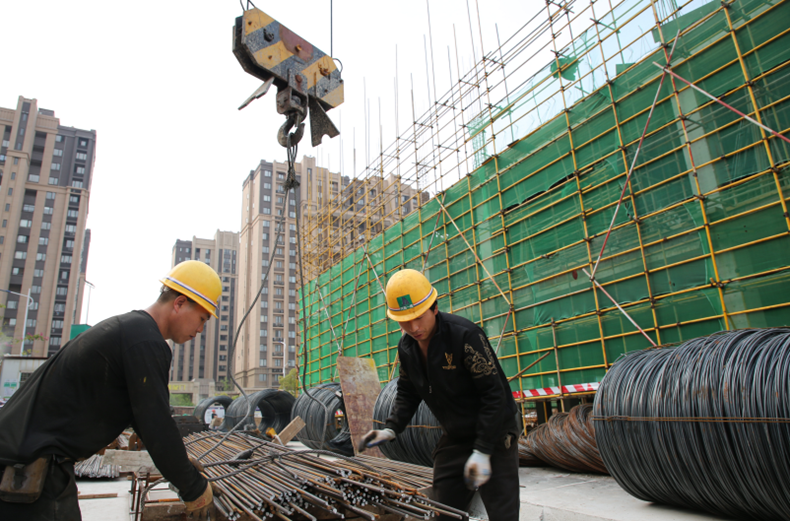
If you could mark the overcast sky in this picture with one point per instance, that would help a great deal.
(160, 85)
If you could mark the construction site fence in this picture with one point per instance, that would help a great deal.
(701, 243)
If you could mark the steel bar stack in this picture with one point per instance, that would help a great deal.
(95, 469)
(264, 480)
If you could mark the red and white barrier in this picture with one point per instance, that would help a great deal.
(549, 391)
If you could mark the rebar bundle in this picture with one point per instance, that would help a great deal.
(94, 468)
(705, 425)
(567, 441)
(416, 443)
(275, 407)
(318, 413)
(264, 480)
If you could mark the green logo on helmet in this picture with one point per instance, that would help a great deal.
(404, 302)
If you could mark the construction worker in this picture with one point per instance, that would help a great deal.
(447, 361)
(110, 376)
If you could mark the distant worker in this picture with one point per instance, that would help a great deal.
(86, 394)
(216, 421)
(447, 361)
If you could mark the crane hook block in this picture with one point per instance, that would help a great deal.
(307, 80)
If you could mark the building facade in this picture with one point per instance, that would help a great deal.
(205, 357)
(269, 338)
(46, 171)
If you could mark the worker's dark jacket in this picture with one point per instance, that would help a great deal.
(112, 375)
(464, 385)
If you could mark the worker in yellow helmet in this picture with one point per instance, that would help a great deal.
(108, 377)
(447, 361)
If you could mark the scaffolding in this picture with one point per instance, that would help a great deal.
(523, 171)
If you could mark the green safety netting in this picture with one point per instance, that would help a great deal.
(700, 244)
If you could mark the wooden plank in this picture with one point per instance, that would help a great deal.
(360, 383)
(291, 430)
(130, 461)
(97, 496)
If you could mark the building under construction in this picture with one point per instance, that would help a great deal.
(568, 152)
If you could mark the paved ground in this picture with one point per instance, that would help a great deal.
(105, 509)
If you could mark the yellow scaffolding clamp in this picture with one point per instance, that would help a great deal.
(306, 78)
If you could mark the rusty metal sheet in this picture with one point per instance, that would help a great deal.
(360, 383)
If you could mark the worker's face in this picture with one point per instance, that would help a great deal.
(189, 320)
(421, 328)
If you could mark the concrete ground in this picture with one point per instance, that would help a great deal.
(549, 494)
(105, 509)
(546, 495)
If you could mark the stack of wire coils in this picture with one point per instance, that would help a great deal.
(567, 441)
(415, 444)
(274, 405)
(202, 407)
(319, 410)
(704, 425)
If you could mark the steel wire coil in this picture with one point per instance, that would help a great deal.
(202, 407)
(415, 444)
(704, 425)
(275, 407)
(526, 458)
(567, 441)
(320, 431)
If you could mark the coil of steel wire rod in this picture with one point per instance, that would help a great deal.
(567, 441)
(275, 407)
(202, 407)
(703, 425)
(320, 430)
(526, 458)
(416, 443)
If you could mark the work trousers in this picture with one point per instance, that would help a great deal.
(58, 500)
(500, 494)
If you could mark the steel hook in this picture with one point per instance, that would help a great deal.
(294, 120)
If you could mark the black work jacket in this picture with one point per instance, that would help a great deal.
(112, 375)
(463, 385)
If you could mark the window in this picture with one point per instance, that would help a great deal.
(267, 198)
(41, 256)
(264, 318)
(33, 178)
(57, 152)
(291, 292)
(55, 166)
(35, 289)
(267, 173)
(11, 304)
(292, 306)
(21, 238)
(293, 227)
(62, 291)
(264, 332)
(223, 347)
(267, 211)
(5, 222)
(72, 213)
(20, 255)
(82, 156)
(11, 321)
(280, 200)
(25, 223)
(265, 236)
(51, 196)
(265, 249)
(45, 226)
(65, 259)
(263, 362)
(267, 186)
(53, 180)
(43, 241)
(58, 139)
(293, 240)
(280, 176)
(293, 202)
(28, 208)
(73, 199)
(266, 224)
(292, 253)
(83, 142)
(7, 206)
(48, 210)
(292, 279)
(278, 362)
(292, 215)
(278, 264)
(31, 322)
(292, 320)
(263, 377)
(64, 275)
(291, 334)
(38, 273)
(69, 244)
(223, 327)
(76, 184)
(278, 251)
(70, 228)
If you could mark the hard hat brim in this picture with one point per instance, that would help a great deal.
(200, 300)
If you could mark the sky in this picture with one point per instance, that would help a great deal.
(161, 87)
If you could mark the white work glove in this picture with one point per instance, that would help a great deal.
(373, 438)
(477, 470)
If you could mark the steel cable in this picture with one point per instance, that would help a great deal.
(703, 425)
(318, 412)
(415, 444)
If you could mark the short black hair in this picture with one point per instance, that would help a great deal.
(435, 305)
(168, 294)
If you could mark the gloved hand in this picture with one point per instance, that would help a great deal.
(477, 470)
(373, 438)
(201, 509)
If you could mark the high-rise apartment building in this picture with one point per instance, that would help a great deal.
(46, 171)
(205, 357)
(268, 341)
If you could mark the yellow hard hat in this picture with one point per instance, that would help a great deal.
(197, 281)
(409, 295)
